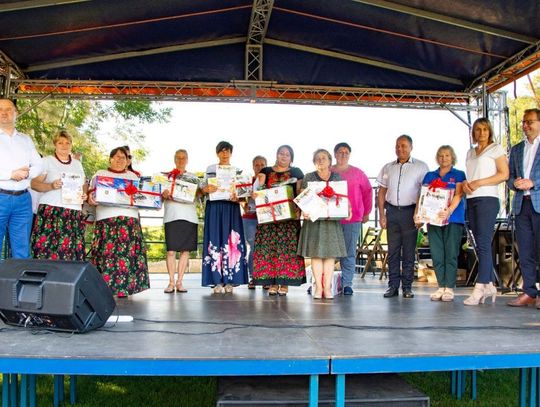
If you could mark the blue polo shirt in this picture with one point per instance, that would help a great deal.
(452, 178)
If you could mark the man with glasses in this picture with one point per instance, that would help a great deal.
(399, 187)
(525, 182)
(360, 196)
(19, 163)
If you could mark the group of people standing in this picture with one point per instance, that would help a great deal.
(475, 203)
(277, 250)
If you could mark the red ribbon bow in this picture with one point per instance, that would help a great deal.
(131, 189)
(437, 183)
(327, 191)
(174, 174)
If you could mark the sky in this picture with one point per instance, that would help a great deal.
(259, 129)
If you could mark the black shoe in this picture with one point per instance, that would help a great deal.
(407, 293)
(391, 292)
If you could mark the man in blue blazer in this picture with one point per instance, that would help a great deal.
(525, 182)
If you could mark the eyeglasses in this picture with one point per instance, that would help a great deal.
(529, 122)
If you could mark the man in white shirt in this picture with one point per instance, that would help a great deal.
(524, 180)
(399, 186)
(19, 163)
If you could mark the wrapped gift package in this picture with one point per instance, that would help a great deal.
(184, 188)
(112, 190)
(338, 204)
(275, 204)
(311, 204)
(127, 192)
(432, 201)
(148, 195)
(243, 186)
(337, 284)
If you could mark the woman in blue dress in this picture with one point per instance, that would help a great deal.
(224, 249)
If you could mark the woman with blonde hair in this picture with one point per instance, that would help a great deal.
(58, 231)
(444, 241)
(487, 167)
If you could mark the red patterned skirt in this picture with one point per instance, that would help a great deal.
(58, 234)
(120, 256)
(275, 260)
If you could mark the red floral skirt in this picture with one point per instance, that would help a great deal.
(58, 234)
(120, 256)
(275, 260)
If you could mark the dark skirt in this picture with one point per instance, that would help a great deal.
(120, 256)
(58, 234)
(224, 248)
(181, 236)
(275, 260)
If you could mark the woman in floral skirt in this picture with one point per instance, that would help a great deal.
(224, 249)
(58, 231)
(275, 261)
(117, 248)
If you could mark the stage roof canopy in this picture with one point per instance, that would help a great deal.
(421, 45)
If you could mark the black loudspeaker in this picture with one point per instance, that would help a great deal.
(57, 295)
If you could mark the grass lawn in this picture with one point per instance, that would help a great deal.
(495, 388)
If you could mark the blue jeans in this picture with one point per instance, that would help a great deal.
(481, 215)
(250, 227)
(16, 217)
(351, 232)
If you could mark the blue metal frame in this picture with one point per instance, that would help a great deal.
(434, 363)
(155, 367)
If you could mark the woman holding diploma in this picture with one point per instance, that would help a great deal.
(444, 241)
(224, 250)
(58, 231)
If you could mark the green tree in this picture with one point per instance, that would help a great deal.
(83, 119)
(518, 105)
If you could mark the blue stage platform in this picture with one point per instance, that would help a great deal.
(250, 333)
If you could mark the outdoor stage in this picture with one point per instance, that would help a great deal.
(250, 333)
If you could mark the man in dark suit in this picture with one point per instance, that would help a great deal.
(525, 182)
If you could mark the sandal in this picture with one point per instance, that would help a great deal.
(169, 289)
(180, 288)
(229, 288)
(273, 290)
(218, 289)
(283, 290)
(448, 295)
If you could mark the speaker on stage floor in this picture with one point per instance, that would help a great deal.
(57, 295)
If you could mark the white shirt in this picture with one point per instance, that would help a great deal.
(529, 152)
(105, 212)
(403, 181)
(483, 166)
(16, 151)
(54, 169)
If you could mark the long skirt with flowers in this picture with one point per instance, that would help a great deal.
(120, 256)
(58, 234)
(224, 248)
(275, 260)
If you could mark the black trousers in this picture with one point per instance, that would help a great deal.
(402, 235)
